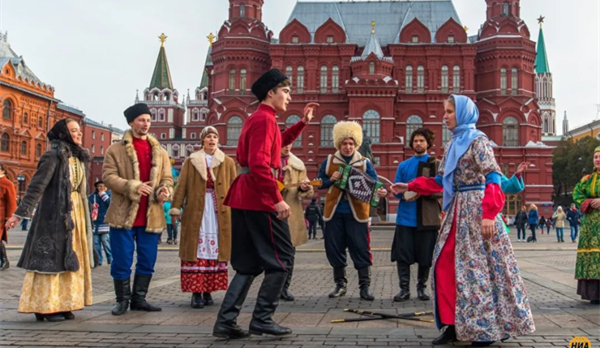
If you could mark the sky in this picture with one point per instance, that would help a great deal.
(96, 54)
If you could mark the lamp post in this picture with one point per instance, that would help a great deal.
(21, 180)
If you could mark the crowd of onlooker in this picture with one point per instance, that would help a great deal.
(530, 219)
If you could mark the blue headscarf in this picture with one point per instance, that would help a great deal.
(462, 137)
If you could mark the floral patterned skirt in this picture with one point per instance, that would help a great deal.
(203, 276)
(66, 291)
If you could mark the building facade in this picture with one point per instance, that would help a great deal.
(97, 137)
(388, 65)
(29, 110)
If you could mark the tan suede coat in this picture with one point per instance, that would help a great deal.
(121, 174)
(295, 172)
(190, 195)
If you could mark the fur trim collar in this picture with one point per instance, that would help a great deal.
(357, 159)
(156, 159)
(198, 160)
(295, 162)
(67, 150)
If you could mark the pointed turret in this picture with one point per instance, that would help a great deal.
(373, 45)
(565, 125)
(541, 60)
(161, 78)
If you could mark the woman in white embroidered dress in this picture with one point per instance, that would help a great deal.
(205, 240)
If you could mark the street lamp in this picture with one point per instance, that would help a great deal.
(21, 180)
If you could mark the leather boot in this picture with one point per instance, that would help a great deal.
(123, 295)
(364, 282)
(197, 300)
(3, 257)
(341, 282)
(422, 277)
(449, 335)
(226, 325)
(285, 293)
(208, 300)
(266, 304)
(141, 283)
(404, 278)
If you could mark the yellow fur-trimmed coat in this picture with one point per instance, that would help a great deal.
(295, 172)
(121, 175)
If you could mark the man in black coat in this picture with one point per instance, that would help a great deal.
(313, 215)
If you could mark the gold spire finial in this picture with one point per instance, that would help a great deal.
(211, 38)
(373, 27)
(466, 28)
(541, 20)
(162, 39)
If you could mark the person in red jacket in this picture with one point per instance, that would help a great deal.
(260, 233)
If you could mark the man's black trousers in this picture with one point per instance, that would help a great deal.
(344, 232)
(260, 242)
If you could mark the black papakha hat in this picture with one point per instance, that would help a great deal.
(136, 110)
(267, 82)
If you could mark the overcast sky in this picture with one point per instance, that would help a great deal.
(97, 53)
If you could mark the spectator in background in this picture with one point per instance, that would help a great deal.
(171, 224)
(99, 202)
(574, 218)
(559, 223)
(542, 224)
(533, 221)
(521, 222)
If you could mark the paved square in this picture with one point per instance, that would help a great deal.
(546, 266)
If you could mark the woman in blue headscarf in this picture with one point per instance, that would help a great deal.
(479, 295)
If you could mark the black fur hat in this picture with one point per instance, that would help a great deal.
(134, 111)
(267, 82)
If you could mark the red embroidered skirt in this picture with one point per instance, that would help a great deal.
(203, 276)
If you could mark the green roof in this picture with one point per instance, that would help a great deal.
(208, 63)
(541, 60)
(161, 78)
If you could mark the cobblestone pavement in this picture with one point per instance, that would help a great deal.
(547, 268)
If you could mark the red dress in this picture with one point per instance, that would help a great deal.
(205, 275)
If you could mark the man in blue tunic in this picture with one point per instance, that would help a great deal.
(418, 218)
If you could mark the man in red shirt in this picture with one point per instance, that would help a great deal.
(138, 172)
(260, 233)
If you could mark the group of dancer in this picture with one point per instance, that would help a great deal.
(250, 215)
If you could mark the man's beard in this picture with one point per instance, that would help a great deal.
(420, 151)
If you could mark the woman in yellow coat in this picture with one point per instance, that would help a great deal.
(205, 240)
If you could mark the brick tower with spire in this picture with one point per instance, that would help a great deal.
(163, 100)
(543, 85)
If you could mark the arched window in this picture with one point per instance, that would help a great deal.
(420, 79)
(300, 80)
(161, 114)
(153, 115)
(234, 128)
(7, 109)
(242, 10)
(510, 131)
(505, 8)
(288, 73)
(456, 79)
(371, 68)
(503, 81)
(243, 81)
(445, 79)
(193, 135)
(409, 79)
(413, 123)
(292, 120)
(40, 122)
(38, 150)
(545, 125)
(5, 143)
(327, 124)
(335, 78)
(24, 148)
(446, 134)
(371, 125)
(25, 118)
(175, 152)
(231, 80)
(323, 79)
(514, 81)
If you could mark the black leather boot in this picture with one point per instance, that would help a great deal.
(449, 335)
(141, 283)
(341, 282)
(422, 277)
(285, 293)
(197, 300)
(364, 282)
(226, 325)
(208, 300)
(123, 295)
(404, 278)
(3, 257)
(266, 304)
